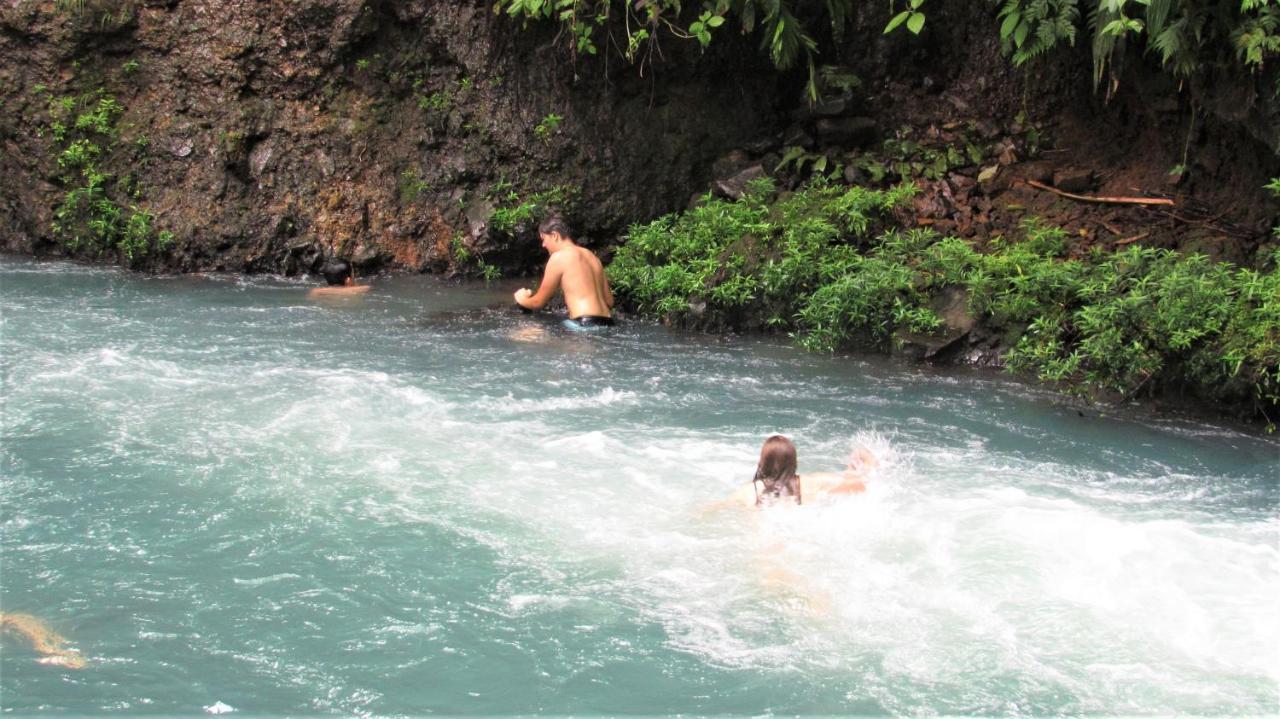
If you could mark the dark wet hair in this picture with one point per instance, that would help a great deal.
(776, 471)
(554, 224)
(336, 272)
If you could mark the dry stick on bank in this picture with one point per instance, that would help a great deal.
(1103, 199)
(1129, 240)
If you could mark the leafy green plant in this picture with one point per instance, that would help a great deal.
(547, 126)
(411, 186)
(130, 67)
(1189, 36)
(438, 102)
(730, 256)
(458, 246)
(635, 28)
(515, 211)
(702, 27)
(89, 219)
(1125, 322)
(1030, 28)
(105, 14)
(464, 259)
(796, 159)
(911, 16)
(1274, 188)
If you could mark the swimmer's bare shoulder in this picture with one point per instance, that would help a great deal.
(43, 639)
(341, 290)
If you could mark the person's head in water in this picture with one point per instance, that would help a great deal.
(336, 272)
(553, 231)
(776, 472)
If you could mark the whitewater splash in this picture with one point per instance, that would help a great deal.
(365, 511)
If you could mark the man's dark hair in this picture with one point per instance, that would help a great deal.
(336, 272)
(554, 224)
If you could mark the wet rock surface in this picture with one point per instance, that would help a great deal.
(360, 122)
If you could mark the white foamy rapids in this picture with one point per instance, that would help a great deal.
(959, 581)
(508, 405)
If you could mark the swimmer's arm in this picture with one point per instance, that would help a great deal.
(546, 289)
(743, 496)
(849, 484)
(608, 293)
(863, 458)
(818, 483)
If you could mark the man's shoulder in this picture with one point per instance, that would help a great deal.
(571, 255)
(586, 255)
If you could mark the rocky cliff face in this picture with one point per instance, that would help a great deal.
(264, 135)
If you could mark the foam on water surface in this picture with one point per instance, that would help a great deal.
(423, 503)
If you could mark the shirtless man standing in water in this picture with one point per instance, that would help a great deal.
(577, 272)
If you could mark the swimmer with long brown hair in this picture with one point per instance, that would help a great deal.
(776, 481)
(776, 476)
(43, 639)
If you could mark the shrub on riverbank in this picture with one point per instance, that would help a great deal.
(812, 263)
(753, 257)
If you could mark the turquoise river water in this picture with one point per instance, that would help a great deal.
(229, 498)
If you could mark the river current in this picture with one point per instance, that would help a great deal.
(228, 497)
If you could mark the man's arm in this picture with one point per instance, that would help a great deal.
(608, 293)
(546, 289)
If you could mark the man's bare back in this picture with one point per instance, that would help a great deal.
(575, 271)
(583, 282)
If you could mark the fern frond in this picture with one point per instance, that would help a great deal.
(1157, 15)
(1104, 44)
(839, 11)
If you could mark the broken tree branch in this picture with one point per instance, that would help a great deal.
(1106, 200)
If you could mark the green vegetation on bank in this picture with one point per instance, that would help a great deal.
(99, 14)
(1188, 36)
(100, 211)
(635, 29)
(825, 265)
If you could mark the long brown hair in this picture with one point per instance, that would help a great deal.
(776, 471)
